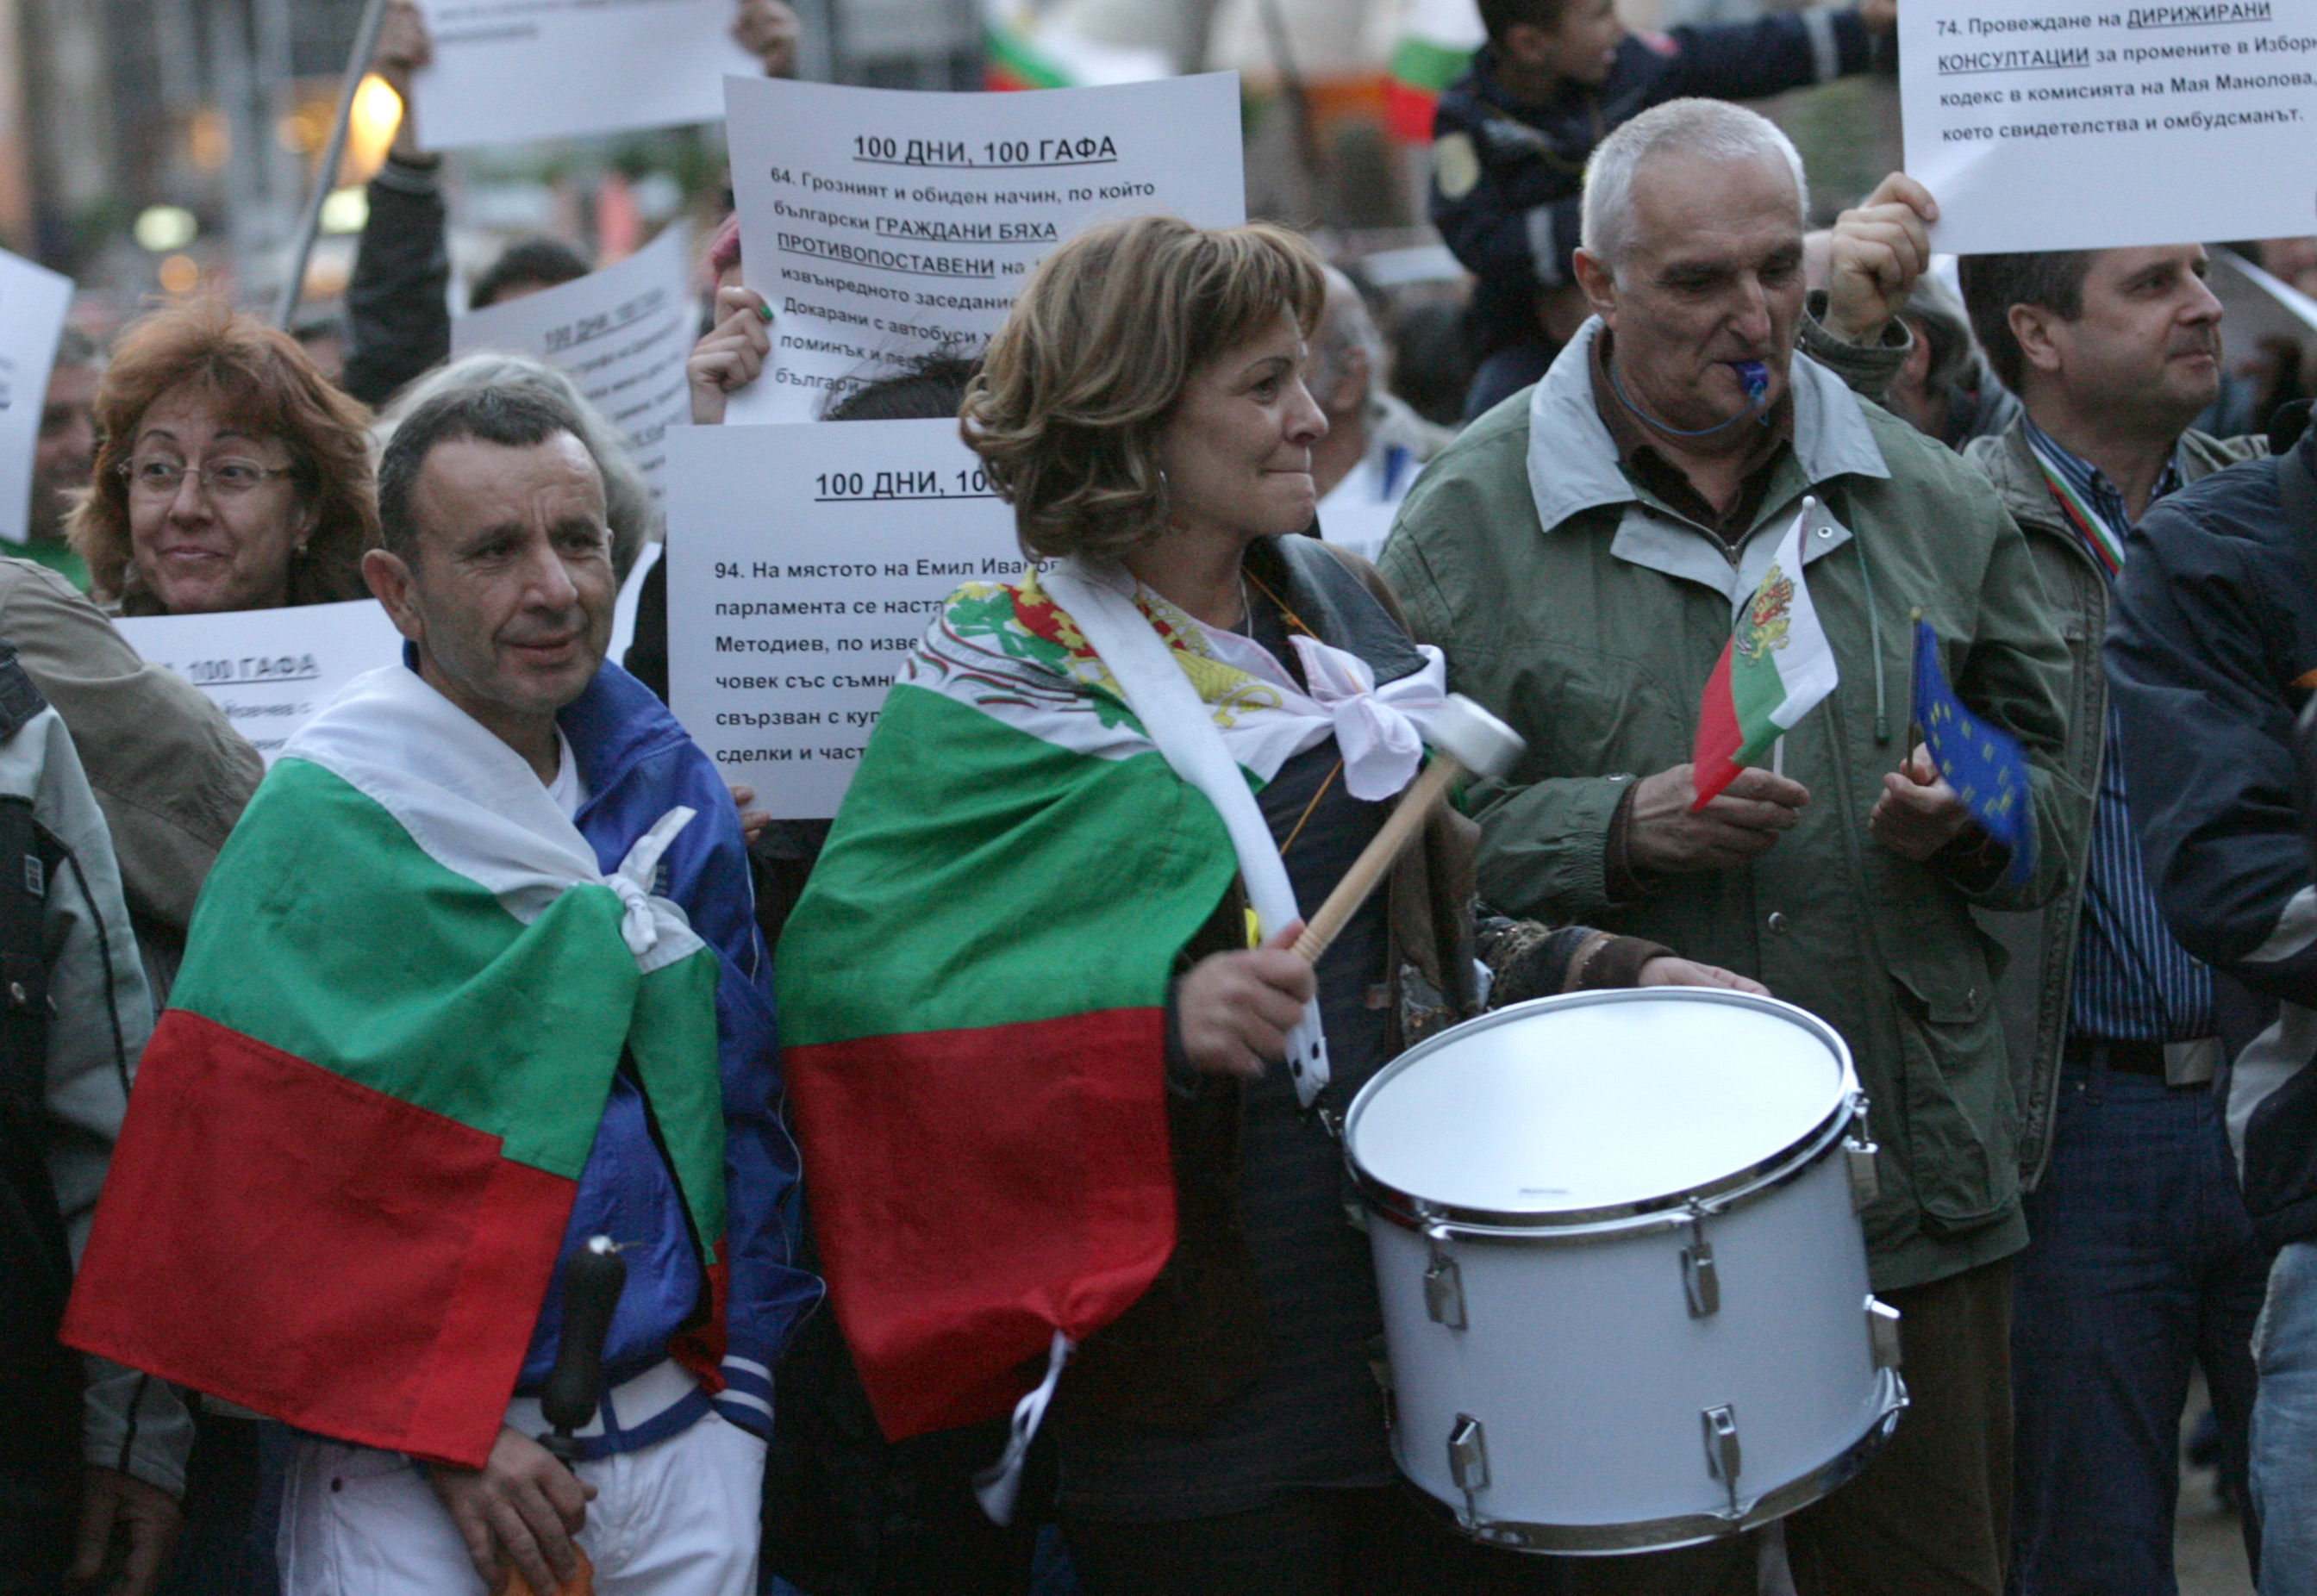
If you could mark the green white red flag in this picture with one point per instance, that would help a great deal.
(1776, 668)
(1434, 45)
(356, 1134)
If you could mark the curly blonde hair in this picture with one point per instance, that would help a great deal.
(271, 386)
(1084, 376)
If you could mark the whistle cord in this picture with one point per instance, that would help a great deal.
(1757, 383)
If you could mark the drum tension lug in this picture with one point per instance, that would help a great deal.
(1883, 1333)
(1722, 1457)
(1859, 1149)
(1468, 1462)
(1444, 1284)
(1700, 1281)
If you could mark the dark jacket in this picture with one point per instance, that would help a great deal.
(74, 1015)
(1506, 173)
(397, 304)
(2212, 652)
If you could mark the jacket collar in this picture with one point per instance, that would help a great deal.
(1335, 604)
(614, 726)
(2008, 462)
(1572, 460)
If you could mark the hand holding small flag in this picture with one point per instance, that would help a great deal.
(1964, 769)
(1776, 668)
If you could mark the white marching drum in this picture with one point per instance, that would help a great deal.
(1624, 1277)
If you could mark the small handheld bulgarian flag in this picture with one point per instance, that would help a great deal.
(1776, 668)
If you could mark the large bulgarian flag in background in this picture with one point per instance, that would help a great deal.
(1436, 43)
(1774, 669)
(356, 1135)
(972, 999)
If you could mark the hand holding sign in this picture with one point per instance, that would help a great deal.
(1880, 248)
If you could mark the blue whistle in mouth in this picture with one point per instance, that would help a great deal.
(1756, 378)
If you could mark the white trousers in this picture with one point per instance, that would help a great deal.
(678, 1517)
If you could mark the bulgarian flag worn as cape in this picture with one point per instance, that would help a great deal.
(356, 1135)
(1774, 669)
(972, 992)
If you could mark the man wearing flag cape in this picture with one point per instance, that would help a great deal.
(475, 981)
(1689, 551)
(1060, 1081)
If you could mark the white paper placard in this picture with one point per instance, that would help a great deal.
(510, 71)
(2056, 126)
(878, 223)
(269, 670)
(804, 563)
(621, 334)
(32, 305)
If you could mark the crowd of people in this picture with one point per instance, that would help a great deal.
(326, 1085)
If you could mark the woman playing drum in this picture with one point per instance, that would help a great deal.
(1038, 994)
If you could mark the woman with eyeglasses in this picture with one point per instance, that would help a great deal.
(232, 475)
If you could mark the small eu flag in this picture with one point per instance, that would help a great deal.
(1983, 764)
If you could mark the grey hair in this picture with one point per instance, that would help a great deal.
(1692, 129)
(627, 501)
(1345, 329)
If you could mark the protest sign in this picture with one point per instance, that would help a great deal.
(621, 334)
(269, 670)
(2257, 309)
(32, 305)
(510, 71)
(804, 563)
(2053, 126)
(880, 225)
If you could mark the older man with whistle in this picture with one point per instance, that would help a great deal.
(1580, 554)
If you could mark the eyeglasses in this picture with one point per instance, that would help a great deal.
(158, 475)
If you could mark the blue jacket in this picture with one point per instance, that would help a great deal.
(2212, 644)
(637, 764)
(1509, 208)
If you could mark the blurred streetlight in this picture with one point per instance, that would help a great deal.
(370, 130)
(161, 228)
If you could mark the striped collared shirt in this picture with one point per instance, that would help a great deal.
(2132, 982)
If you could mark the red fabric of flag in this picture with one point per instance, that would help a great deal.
(974, 1190)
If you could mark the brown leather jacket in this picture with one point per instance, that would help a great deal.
(169, 770)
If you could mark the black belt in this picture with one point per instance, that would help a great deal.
(2130, 1058)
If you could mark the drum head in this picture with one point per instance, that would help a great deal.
(1596, 1104)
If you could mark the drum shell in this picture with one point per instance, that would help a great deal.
(1591, 1377)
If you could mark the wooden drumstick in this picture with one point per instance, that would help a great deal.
(1465, 739)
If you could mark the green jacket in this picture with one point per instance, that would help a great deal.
(1589, 614)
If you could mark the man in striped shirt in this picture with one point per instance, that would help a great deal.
(2141, 1263)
